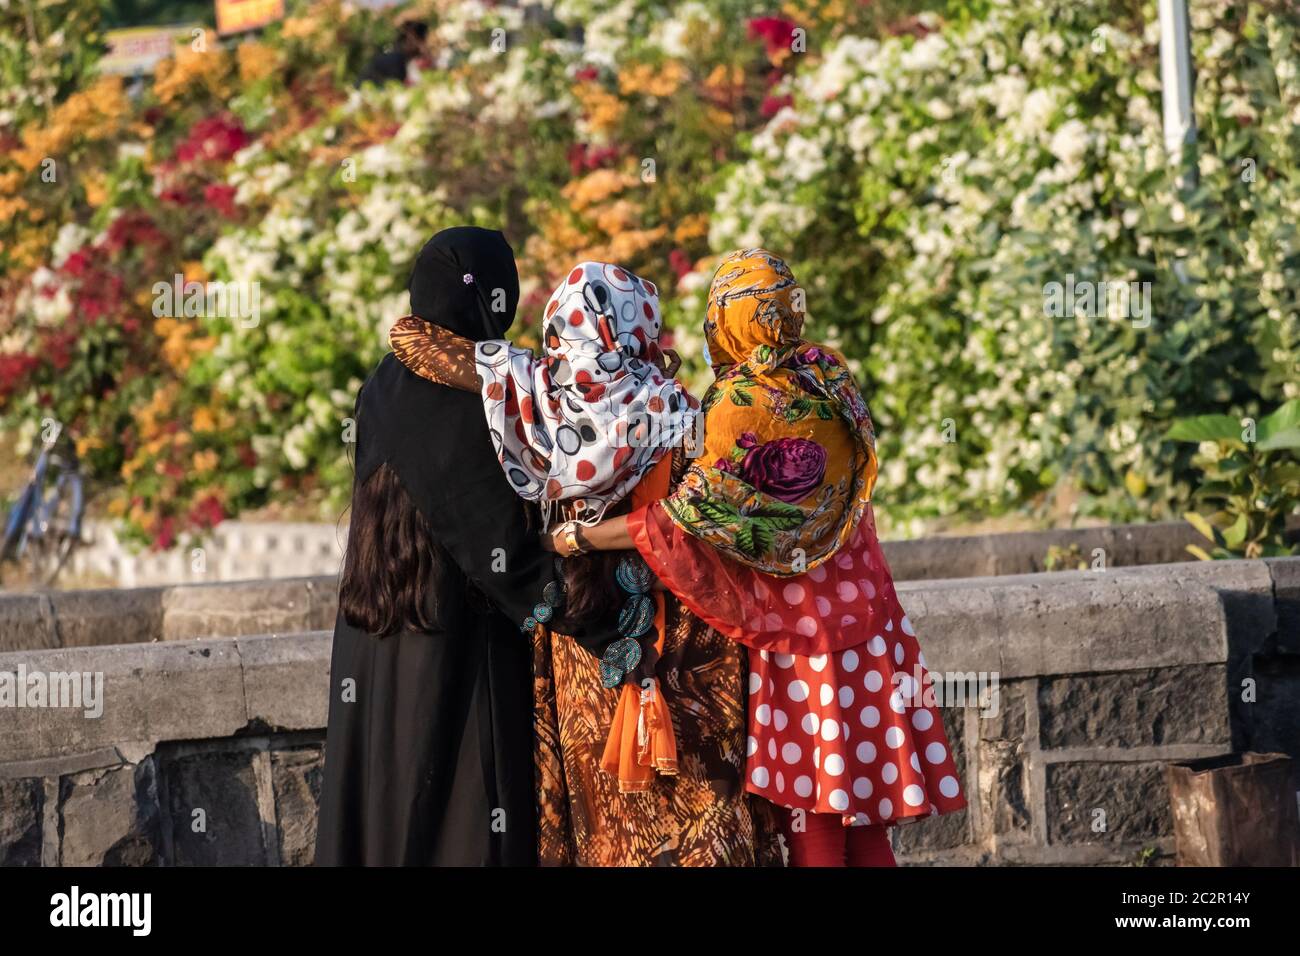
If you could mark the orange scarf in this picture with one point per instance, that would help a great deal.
(641, 740)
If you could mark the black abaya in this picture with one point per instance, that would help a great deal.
(428, 756)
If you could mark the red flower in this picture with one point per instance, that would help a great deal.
(220, 197)
(166, 535)
(777, 33)
(680, 262)
(175, 195)
(586, 73)
(132, 229)
(601, 157)
(774, 104)
(77, 263)
(577, 157)
(13, 369)
(214, 139)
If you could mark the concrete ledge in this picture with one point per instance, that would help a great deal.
(171, 691)
(89, 618)
(1093, 621)
(281, 605)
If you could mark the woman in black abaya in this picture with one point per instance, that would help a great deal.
(429, 754)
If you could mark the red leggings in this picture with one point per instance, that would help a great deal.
(823, 840)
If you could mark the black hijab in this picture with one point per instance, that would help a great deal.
(465, 280)
(392, 404)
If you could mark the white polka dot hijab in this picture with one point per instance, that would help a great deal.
(584, 422)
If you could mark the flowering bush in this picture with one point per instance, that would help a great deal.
(926, 180)
(930, 188)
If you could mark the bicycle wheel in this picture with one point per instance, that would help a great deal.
(59, 528)
(16, 524)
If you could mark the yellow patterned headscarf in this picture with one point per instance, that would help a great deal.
(789, 457)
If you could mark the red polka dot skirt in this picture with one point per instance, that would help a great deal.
(848, 733)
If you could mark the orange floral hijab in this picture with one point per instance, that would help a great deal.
(789, 458)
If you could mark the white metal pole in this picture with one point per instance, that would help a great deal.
(1176, 77)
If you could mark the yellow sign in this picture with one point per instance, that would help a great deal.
(139, 49)
(236, 16)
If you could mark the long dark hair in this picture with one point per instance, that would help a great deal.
(591, 593)
(392, 565)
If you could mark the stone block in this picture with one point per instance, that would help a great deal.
(324, 593)
(235, 609)
(286, 679)
(1174, 705)
(109, 817)
(296, 776)
(1003, 770)
(150, 692)
(1107, 803)
(27, 623)
(1285, 574)
(108, 616)
(1072, 622)
(22, 808)
(211, 803)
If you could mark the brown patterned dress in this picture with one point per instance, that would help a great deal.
(700, 817)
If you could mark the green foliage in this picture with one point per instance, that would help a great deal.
(1250, 482)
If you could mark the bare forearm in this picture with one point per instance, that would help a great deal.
(610, 535)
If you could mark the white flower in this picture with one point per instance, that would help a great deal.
(1070, 142)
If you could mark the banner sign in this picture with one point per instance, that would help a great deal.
(236, 16)
(138, 50)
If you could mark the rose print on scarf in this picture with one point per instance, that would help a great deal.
(788, 469)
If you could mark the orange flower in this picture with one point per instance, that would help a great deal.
(651, 80)
(256, 61)
(602, 109)
(189, 69)
(692, 227)
(597, 186)
(205, 461)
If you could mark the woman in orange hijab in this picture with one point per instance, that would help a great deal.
(769, 537)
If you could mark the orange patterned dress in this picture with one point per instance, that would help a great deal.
(702, 816)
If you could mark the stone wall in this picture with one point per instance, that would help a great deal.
(240, 550)
(209, 751)
(280, 603)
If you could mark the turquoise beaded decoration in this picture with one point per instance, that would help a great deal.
(633, 575)
(619, 658)
(552, 598)
(637, 615)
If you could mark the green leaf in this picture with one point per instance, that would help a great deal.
(718, 512)
(1206, 428)
(763, 536)
(741, 397)
(1285, 438)
(1235, 534)
(745, 542)
(1284, 418)
(1199, 552)
(776, 509)
(1203, 527)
